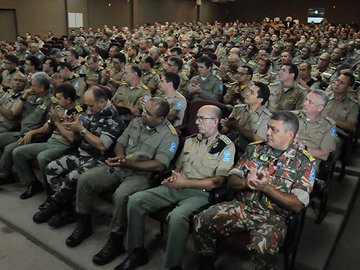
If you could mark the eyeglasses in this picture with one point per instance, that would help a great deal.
(202, 118)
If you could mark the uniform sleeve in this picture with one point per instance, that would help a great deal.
(300, 100)
(262, 128)
(226, 160)
(306, 178)
(167, 148)
(240, 169)
(111, 129)
(329, 139)
(353, 114)
(124, 138)
(216, 92)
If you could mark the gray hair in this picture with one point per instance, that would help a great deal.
(324, 98)
(42, 79)
(289, 119)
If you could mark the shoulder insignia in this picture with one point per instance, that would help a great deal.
(257, 142)
(53, 100)
(78, 108)
(218, 146)
(172, 129)
(330, 120)
(225, 139)
(240, 105)
(352, 99)
(191, 136)
(218, 76)
(145, 87)
(307, 154)
(123, 83)
(153, 72)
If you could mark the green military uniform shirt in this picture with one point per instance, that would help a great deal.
(7, 100)
(267, 78)
(211, 88)
(345, 109)
(291, 99)
(141, 143)
(130, 96)
(206, 157)
(318, 133)
(78, 83)
(178, 105)
(151, 79)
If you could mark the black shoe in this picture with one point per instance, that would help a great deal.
(110, 251)
(45, 204)
(82, 231)
(33, 188)
(136, 258)
(44, 215)
(63, 218)
(206, 262)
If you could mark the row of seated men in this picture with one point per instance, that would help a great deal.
(273, 177)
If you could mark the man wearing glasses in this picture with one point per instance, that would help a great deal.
(10, 65)
(202, 165)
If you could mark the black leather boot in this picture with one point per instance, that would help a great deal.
(67, 216)
(82, 231)
(33, 188)
(51, 210)
(112, 249)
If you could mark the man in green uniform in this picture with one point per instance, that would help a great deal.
(287, 96)
(60, 142)
(202, 165)
(129, 93)
(317, 132)
(205, 85)
(8, 122)
(248, 122)
(147, 146)
(342, 108)
(175, 65)
(33, 107)
(177, 102)
(149, 76)
(272, 179)
(112, 77)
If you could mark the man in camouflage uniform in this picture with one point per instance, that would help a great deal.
(149, 76)
(168, 84)
(202, 165)
(205, 85)
(61, 141)
(131, 91)
(273, 179)
(98, 127)
(317, 132)
(248, 122)
(8, 98)
(32, 107)
(147, 146)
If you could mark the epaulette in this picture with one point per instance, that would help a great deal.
(239, 105)
(330, 120)
(153, 72)
(225, 139)
(53, 100)
(78, 108)
(307, 154)
(145, 87)
(257, 142)
(352, 99)
(218, 76)
(122, 83)
(219, 145)
(191, 136)
(172, 129)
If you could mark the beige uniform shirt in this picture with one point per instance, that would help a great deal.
(345, 109)
(130, 96)
(151, 79)
(319, 133)
(7, 100)
(203, 158)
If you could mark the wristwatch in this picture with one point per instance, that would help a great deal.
(111, 79)
(82, 133)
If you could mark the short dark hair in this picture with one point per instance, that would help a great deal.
(177, 50)
(172, 77)
(149, 60)
(65, 65)
(121, 57)
(293, 69)
(288, 118)
(12, 58)
(136, 68)
(74, 53)
(67, 90)
(249, 70)
(205, 60)
(99, 93)
(161, 106)
(177, 61)
(263, 92)
(53, 64)
(351, 78)
(135, 48)
(34, 61)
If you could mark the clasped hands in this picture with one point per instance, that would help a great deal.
(258, 180)
(176, 180)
